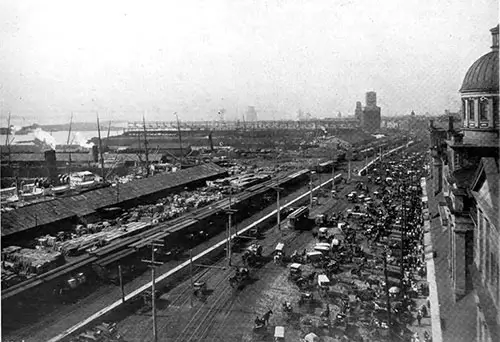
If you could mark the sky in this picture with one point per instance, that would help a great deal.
(125, 59)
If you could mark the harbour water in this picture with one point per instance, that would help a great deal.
(60, 137)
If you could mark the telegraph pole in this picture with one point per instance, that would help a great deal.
(121, 282)
(230, 212)
(152, 264)
(311, 189)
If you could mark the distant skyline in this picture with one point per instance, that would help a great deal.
(126, 58)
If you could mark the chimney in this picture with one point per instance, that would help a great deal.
(211, 142)
(50, 160)
(494, 36)
(450, 123)
(94, 152)
(431, 123)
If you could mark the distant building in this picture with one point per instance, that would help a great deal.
(358, 112)
(465, 165)
(370, 116)
(251, 114)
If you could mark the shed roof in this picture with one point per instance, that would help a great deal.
(47, 212)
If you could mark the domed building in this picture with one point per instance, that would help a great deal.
(479, 94)
(466, 178)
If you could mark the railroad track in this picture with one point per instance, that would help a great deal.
(202, 326)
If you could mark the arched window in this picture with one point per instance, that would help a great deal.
(471, 110)
(483, 109)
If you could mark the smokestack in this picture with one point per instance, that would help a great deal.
(431, 123)
(50, 160)
(211, 142)
(450, 123)
(95, 154)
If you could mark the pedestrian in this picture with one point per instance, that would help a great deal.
(419, 317)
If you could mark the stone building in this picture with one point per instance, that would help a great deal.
(465, 170)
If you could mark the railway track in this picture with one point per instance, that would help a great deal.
(209, 318)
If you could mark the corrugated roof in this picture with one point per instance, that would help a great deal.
(39, 157)
(67, 207)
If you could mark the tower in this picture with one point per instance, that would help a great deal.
(370, 118)
(251, 114)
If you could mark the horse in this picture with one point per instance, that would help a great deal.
(266, 316)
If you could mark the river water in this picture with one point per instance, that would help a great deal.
(59, 137)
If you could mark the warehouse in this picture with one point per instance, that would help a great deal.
(49, 216)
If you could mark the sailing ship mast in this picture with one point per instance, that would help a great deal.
(67, 142)
(100, 149)
(180, 138)
(145, 144)
(7, 143)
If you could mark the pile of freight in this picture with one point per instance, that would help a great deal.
(21, 263)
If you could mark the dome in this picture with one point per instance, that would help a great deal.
(482, 75)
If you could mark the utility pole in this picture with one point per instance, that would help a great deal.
(230, 212)
(311, 190)
(152, 263)
(100, 149)
(121, 282)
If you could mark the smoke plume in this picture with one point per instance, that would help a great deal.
(82, 141)
(48, 139)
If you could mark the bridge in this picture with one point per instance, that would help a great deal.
(320, 124)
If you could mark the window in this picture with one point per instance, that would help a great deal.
(487, 273)
(495, 110)
(483, 109)
(471, 109)
(464, 109)
(480, 249)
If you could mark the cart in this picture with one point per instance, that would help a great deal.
(279, 334)
(199, 288)
(323, 283)
(295, 271)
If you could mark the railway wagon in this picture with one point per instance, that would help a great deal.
(299, 219)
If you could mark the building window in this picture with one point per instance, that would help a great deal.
(483, 109)
(480, 249)
(456, 160)
(487, 273)
(495, 110)
(471, 109)
(464, 109)
(494, 276)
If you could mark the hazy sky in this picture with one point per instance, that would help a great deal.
(194, 57)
